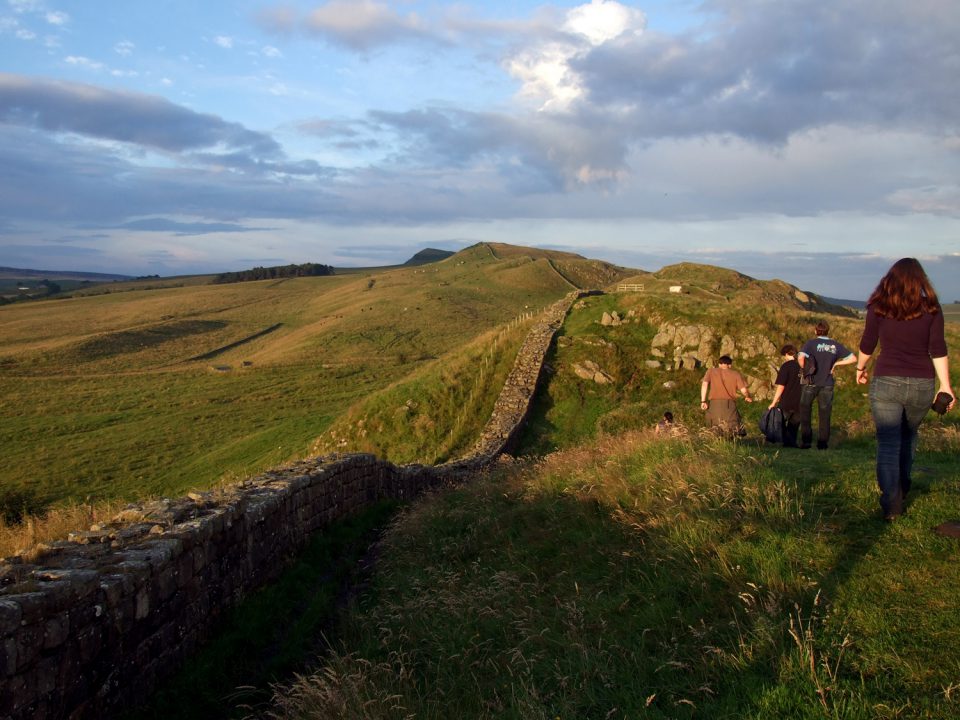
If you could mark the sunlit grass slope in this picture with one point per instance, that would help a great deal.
(158, 391)
(436, 413)
(569, 410)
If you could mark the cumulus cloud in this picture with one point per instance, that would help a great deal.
(124, 47)
(223, 41)
(544, 67)
(356, 24)
(764, 71)
(85, 62)
(531, 154)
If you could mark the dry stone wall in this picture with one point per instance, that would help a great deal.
(96, 621)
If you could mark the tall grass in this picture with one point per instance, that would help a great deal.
(25, 527)
(660, 578)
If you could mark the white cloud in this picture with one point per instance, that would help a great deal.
(360, 24)
(81, 61)
(24, 34)
(270, 51)
(545, 68)
(354, 17)
(25, 6)
(57, 18)
(604, 20)
(124, 47)
(224, 41)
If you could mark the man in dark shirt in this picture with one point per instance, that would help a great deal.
(827, 353)
(787, 394)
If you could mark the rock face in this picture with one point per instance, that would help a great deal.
(695, 347)
(90, 628)
(689, 346)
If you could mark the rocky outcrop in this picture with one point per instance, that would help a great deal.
(685, 346)
(89, 627)
(694, 347)
(589, 370)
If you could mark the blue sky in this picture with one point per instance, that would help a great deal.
(814, 142)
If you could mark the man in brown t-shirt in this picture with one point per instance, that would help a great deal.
(720, 386)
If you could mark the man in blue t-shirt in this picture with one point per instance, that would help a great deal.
(827, 354)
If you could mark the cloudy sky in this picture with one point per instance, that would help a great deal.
(812, 141)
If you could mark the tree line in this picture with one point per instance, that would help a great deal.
(275, 272)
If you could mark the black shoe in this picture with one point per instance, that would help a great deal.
(821, 445)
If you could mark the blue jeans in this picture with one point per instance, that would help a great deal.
(824, 396)
(898, 405)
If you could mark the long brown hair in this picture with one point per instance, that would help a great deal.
(905, 292)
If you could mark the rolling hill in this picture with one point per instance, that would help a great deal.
(612, 572)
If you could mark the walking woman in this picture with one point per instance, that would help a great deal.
(904, 316)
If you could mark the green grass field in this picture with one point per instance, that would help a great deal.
(610, 574)
(144, 392)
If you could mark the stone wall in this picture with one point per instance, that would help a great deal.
(92, 624)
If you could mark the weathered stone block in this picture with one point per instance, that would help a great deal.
(56, 630)
(10, 616)
(8, 657)
(29, 645)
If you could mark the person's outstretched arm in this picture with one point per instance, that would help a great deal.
(848, 360)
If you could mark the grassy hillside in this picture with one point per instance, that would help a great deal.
(571, 410)
(618, 574)
(157, 391)
(432, 415)
(639, 577)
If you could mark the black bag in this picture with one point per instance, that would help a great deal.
(808, 370)
(771, 425)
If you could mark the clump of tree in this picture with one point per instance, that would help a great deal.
(275, 273)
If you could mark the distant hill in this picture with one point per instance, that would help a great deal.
(24, 273)
(855, 304)
(715, 282)
(428, 255)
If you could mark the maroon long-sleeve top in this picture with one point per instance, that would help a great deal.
(906, 346)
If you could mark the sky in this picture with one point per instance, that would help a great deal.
(816, 142)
